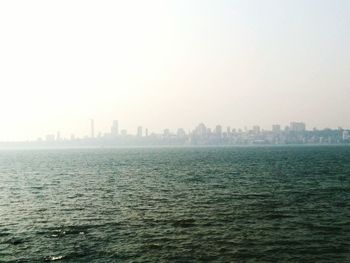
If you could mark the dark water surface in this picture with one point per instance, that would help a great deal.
(268, 204)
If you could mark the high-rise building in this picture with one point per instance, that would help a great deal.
(139, 131)
(200, 130)
(256, 129)
(180, 133)
(218, 130)
(115, 128)
(297, 126)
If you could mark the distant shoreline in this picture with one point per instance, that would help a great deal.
(87, 147)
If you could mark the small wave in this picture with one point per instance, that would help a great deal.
(53, 258)
(15, 241)
(184, 223)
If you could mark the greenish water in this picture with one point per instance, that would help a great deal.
(267, 204)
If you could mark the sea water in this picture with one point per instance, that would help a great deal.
(217, 204)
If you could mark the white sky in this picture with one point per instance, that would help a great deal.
(169, 64)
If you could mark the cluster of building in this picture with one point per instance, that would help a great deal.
(295, 133)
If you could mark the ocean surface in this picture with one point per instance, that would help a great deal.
(244, 204)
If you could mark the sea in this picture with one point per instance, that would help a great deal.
(189, 204)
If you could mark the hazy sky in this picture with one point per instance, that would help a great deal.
(169, 64)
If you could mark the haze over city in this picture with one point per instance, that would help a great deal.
(171, 64)
(174, 131)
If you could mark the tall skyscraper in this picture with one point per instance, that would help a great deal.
(218, 130)
(200, 130)
(139, 131)
(115, 128)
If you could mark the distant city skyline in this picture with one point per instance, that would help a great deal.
(171, 64)
(141, 131)
(116, 130)
(199, 135)
(92, 130)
